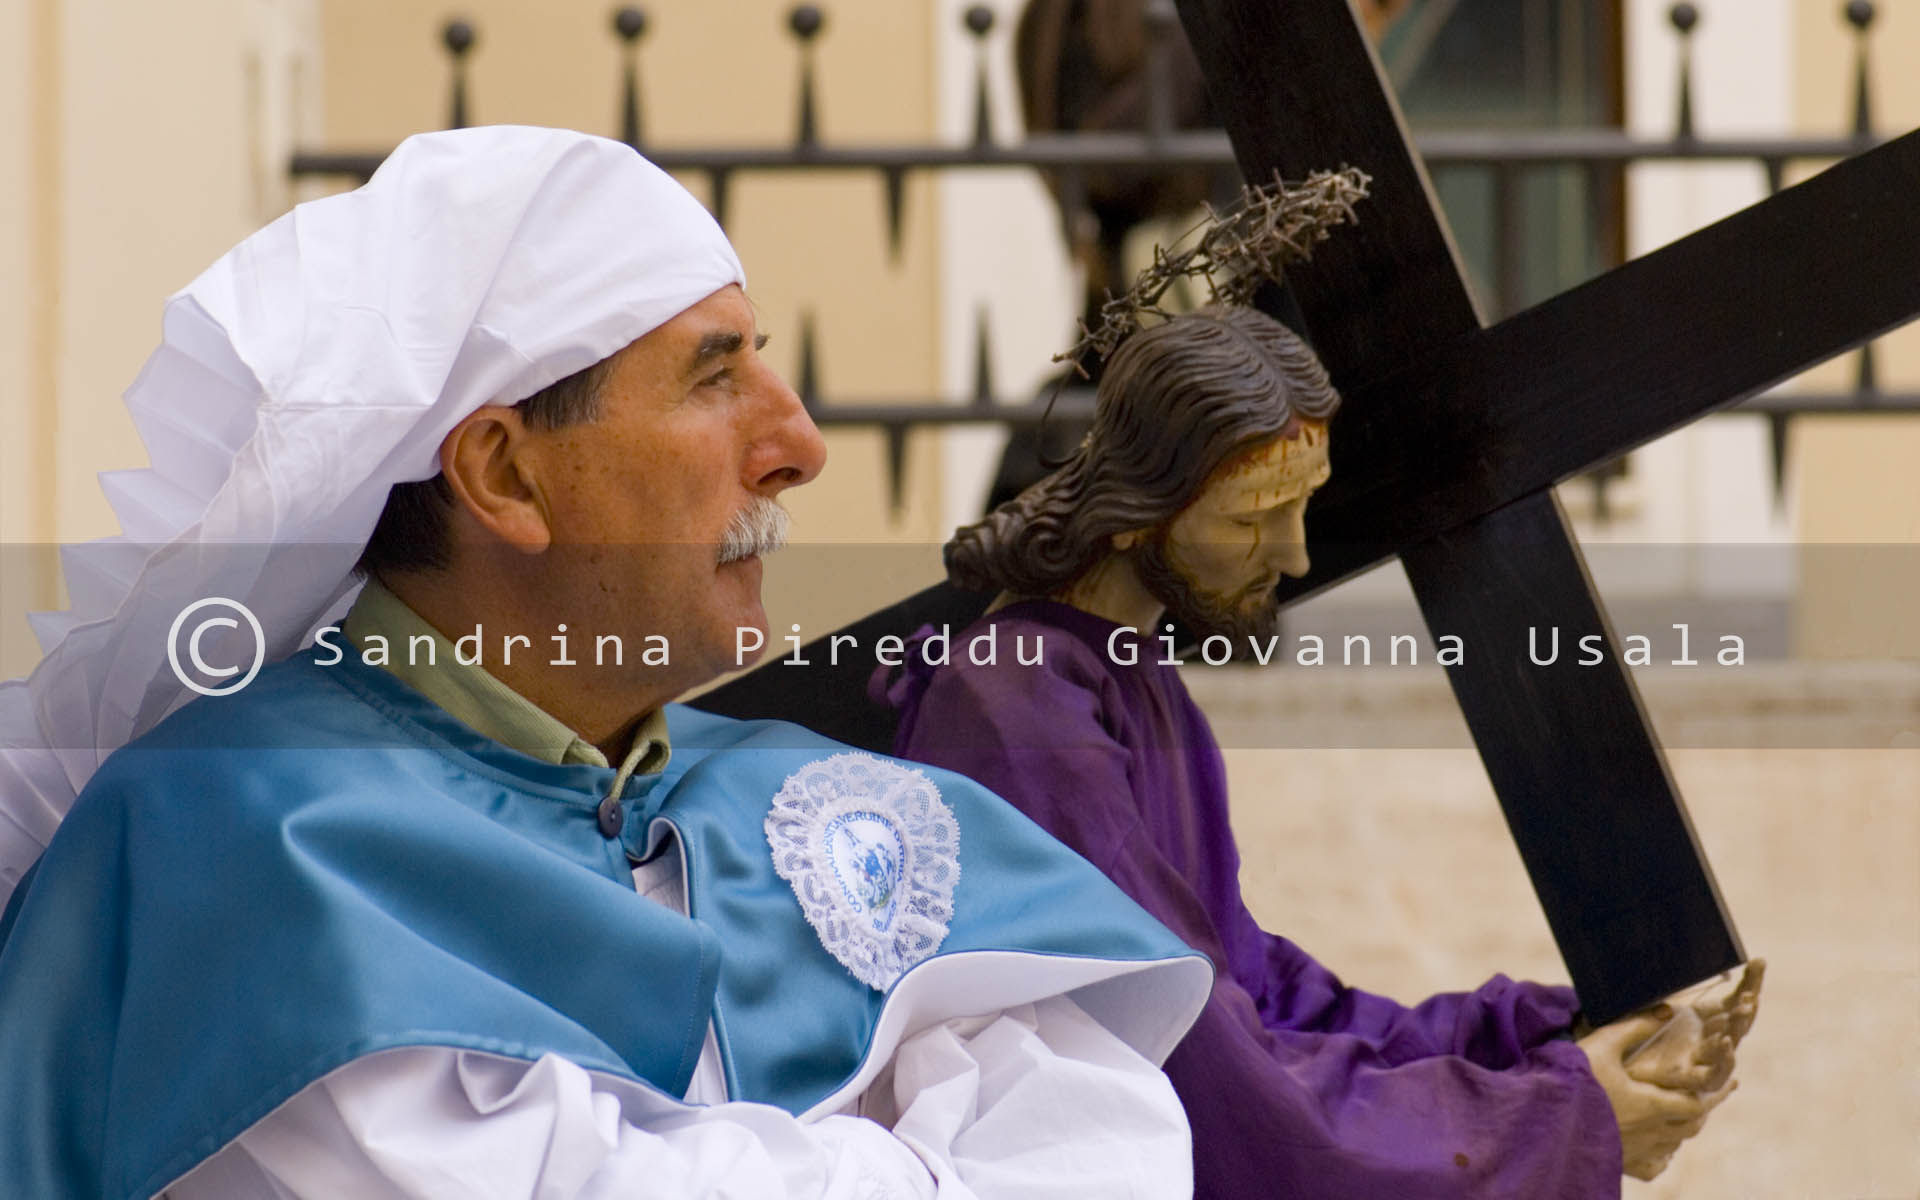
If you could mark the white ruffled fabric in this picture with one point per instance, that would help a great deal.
(313, 367)
(1036, 1103)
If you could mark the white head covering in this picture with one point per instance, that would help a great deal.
(317, 364)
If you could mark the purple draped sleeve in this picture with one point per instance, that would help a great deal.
(1295, 1084)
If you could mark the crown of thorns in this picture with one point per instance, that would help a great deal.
(1233, 251)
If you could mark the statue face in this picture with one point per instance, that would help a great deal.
(1246, 529)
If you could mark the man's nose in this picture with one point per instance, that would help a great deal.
(790, 451)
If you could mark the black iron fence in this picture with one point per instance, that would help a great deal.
(1509, 156)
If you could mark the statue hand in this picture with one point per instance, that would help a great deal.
(1735, 1010)
(1694, 1049)
(1653, 1119)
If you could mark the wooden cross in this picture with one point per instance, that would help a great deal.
(1452, 436)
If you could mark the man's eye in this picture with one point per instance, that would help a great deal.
(718, 378)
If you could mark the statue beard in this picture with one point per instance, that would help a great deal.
(1250, 616)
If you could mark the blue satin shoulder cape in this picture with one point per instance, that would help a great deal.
(326, 865)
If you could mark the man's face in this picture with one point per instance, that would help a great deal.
(1215, 565)
(694, 426)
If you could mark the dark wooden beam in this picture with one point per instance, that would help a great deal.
(1298, 88)
(1700, 324)
(1573, 759)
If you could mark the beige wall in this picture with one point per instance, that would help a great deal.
(147, 194)
(1858, 493)
(20, 214)
(126, 133)
(22, 581)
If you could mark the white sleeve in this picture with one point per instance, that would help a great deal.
(1039, 1101)
(434, 1122)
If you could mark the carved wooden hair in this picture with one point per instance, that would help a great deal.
(1177, 400)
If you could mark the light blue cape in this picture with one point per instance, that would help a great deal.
(326, 865)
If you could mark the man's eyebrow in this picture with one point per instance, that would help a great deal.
(720, 344)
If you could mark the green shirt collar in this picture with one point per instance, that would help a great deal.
(419, 656)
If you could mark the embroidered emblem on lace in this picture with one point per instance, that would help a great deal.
(872, 854)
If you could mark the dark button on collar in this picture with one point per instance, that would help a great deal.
(610, 817)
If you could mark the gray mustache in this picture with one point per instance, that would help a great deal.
(758, 529)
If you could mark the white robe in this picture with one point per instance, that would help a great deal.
(1034, 1101)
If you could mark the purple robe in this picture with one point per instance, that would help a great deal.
(1296, 1085)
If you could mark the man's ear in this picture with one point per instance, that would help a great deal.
(1123, 542)
(486, 464)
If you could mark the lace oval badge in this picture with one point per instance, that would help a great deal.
(873, 854)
